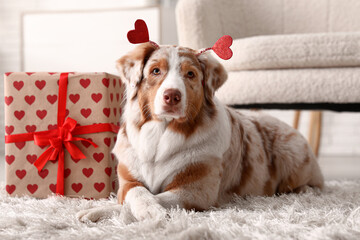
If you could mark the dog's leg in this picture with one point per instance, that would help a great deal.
(141, 201)
(143, 204)
(196, 187)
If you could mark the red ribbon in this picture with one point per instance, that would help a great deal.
(61, 138)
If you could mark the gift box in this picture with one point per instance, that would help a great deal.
(59, 132)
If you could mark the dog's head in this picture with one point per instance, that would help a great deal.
(170, 83)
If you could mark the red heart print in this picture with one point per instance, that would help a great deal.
(106, 111)
(52, 187)
(140, 34)
(32, 188)
(66, 112)
(115, 138)
(52, 73)
(43, 173)
(52, 126)
(98, 156)
(106, 82)
(107, 141)
(8, 73)
(29, 99)
(76, 187)
(86, 144)
(108, 171)
(117, 97)
(20, 173)
(99, 186)
(75, 160)
(87, 172)
(9, 159)
(96, 97)
(111, 97)
(51, 98)
(19, 114)
(85, 82)
(113, 185)
(112, 156)
(222, 47)
(40, 84)
(85, 112)
(29, 73)
(8, 100)
(18, 85)
(115, 111)
(74, 97)
(20, 145)
(9, 129)
(119, 82)
(41, 114)
(31, 158)
(67, 172)
(30, 128)
(114, 82)
(10, 188)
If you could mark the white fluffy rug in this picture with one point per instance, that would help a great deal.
(331, 214)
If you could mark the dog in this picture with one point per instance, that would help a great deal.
(180, 146)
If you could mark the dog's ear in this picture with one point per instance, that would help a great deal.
(214, 73)
(131, 65)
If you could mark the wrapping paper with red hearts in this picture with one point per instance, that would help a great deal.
(31, 106)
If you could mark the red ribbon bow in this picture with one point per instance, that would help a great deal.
(62, 137)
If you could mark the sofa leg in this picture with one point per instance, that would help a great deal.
(318, 133)
(315, 131)
(296, 119)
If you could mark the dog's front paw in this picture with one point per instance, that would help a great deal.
(153, 212)
(92, 215)
(96, 214)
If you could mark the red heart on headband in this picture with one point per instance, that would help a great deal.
(222, 47)
(140, 34)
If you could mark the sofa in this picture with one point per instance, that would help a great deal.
(287, 54)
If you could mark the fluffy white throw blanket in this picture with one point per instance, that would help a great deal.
(331, 214)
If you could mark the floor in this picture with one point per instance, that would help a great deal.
(340, 167)
(333, 214)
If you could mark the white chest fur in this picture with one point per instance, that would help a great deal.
(155, 146)
(157, 153)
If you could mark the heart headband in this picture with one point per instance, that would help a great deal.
(141, 35)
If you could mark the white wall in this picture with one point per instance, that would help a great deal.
(341, 131)
(81, 41)
(10, 35)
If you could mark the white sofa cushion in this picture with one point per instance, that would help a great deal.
(321, 85)
(295, 51)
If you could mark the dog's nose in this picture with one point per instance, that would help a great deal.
(172, 96)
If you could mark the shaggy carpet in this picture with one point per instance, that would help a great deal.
(331, 214)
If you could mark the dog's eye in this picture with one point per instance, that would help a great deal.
(156, 71)
(190, 74)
